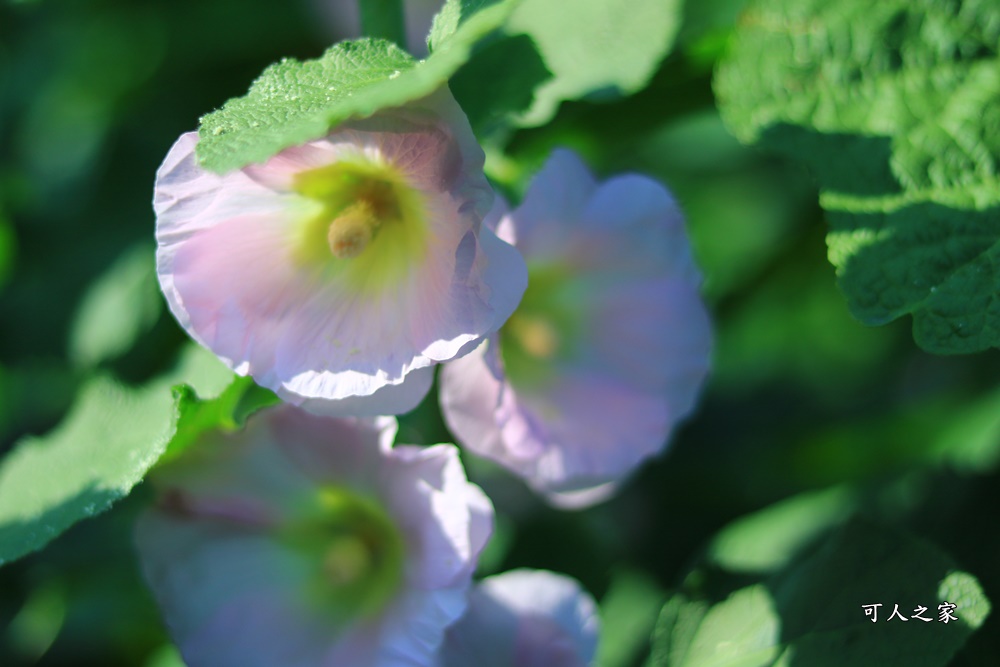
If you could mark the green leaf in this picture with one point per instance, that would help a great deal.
(767, 540)
(820, 601)
(628, 613)
(228, 411)
(293, 102)
(597, 48)
(742, 631)
(120, 306)
(8, 248)
(896, 108)
(971, 440)
(453, 13)
(812, 612)
(499, 81)
(104, 446)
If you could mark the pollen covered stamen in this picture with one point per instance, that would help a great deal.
(537, 336)
(352, 230)
(347, 561)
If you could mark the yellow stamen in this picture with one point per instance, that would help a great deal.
(351, 231)
(347, 561)
(537, 335)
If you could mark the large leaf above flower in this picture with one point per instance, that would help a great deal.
(896, 108)
(293, 102)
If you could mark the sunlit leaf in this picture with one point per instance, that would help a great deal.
(120, 306)
(595, 48)
(628, 613)
(896, 107)
(104, 446)
(293, 102)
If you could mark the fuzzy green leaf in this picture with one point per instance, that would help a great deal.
(104, 446)
(293, 102)
(896, 107)
(594, 48)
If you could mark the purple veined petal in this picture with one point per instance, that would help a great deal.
(524, 618)
(253, 551)
(243, 262)
(608, 349)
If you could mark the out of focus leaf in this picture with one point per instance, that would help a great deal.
(499, 80)
(7, 249)
(36, 625)
(814, 344)
(896, 107)
(972, 439)
(594, 48)
(741, 631)
(118, 308)
(453, 14)
(768, 540)
(293, 102)
(166, 656)
(628, 613)
(707, 27)
(111, 437)
(811, 613)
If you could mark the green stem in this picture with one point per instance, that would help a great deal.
(383, 18)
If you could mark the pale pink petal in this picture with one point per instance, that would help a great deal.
(448, 536)
(525, 618)
(470, 396)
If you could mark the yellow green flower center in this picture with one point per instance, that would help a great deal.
(356, 549)
(544, 329)
(366, 222)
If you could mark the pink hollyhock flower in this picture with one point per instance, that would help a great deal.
(606, 352)
(340, 268)
(524, 618)
(308, 541)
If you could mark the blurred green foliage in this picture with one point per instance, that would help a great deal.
(839, 424)
(894, 106)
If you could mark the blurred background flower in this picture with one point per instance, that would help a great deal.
(306, 540)
(524, 618)
(609, 347)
